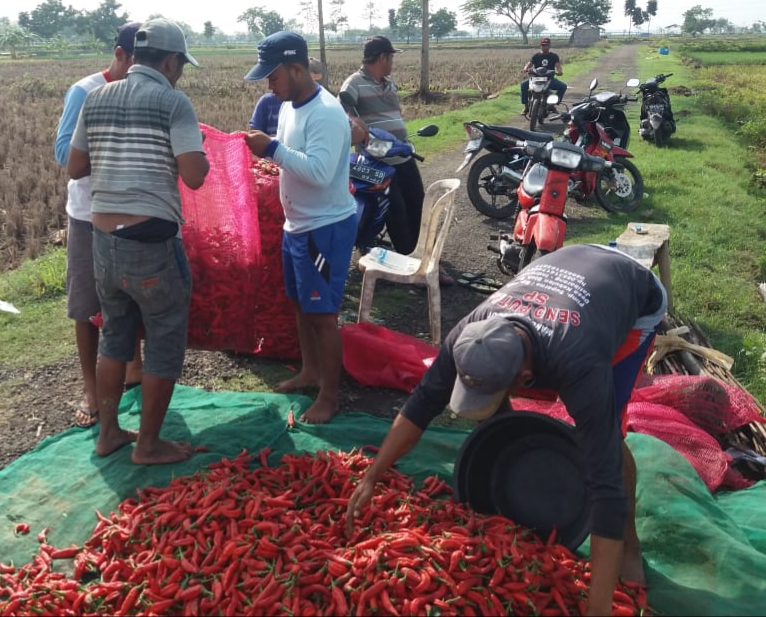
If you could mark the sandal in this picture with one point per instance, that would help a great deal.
(479, 282)
(84, 418)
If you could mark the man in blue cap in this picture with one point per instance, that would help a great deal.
(311, 147)
(578, 323)
(82, 299)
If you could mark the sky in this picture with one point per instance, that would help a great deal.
(224, 15)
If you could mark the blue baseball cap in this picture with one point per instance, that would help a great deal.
(278, 48)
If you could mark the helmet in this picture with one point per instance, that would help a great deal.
(545, 41)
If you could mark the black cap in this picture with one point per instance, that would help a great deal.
(376, 45)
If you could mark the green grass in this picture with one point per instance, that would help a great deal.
(702, 185)
(41, 333)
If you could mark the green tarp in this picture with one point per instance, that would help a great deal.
(705, 554)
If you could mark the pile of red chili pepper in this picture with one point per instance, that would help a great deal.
(238, 301)
(233, 540)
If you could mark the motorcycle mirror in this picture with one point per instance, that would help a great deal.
(632, 83)
(428, 131)
(348, 101)
(593, 84)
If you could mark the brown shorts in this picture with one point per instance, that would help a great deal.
(82, 298)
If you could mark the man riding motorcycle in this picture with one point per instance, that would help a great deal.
(544, 58)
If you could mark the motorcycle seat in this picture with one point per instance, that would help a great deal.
(521, 134)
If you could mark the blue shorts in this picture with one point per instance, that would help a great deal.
(143, 282)
(315, 265)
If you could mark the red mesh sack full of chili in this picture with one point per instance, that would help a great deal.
(233, 237)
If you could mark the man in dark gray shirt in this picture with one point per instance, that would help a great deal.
(579, 322)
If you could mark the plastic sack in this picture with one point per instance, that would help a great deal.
(233, 237)
(377, 356)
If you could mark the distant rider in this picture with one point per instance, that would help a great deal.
(543, 58)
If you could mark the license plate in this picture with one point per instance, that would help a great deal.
(367, 174)
(467, 160)
(473, 145)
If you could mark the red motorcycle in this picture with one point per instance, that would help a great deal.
(540, 221)
(598, 124)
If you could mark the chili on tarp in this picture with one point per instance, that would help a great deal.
(241, 540)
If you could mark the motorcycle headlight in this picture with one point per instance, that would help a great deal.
(378, 148)
(568, 159)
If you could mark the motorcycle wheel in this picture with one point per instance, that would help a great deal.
(620, 191)
(659, 138)
(529, 254)
(534, 114)
(490, 192)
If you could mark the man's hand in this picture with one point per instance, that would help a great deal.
(257, 141)
(361, 496)
(359, 131)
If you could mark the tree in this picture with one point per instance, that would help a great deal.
(442, 23)
(103, 22)
(48, 19)
(425, 63)
(521, 12)
(14, 39)
(575, 13)
(338, 16)
(637, 15)
(370, 11)
(322, 52)
(697, 19)
(209, 31)
(308, 9)
(409, 17)
(261, 23)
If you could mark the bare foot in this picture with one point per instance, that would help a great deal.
(320, 413)
(112, 442)
(633, 566)
(162, 453)
(298, 382)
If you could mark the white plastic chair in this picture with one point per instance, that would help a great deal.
(422, 265)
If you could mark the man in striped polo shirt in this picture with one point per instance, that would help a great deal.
(135, 137)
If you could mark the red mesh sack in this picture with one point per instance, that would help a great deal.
(233, 237)
(377, 356)
(711, 404)
(698, 447)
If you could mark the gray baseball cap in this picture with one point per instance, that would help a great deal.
(488, 355)
(164, 35)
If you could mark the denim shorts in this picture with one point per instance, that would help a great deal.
(82, 299)
(143, 282)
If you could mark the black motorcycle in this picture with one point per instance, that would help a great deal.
(495, 176)
(657, 122)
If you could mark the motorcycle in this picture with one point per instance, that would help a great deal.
(598, 124)
(657, 123)
(540, 221)
(540, 105)
(494, 177)
(370, 177)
